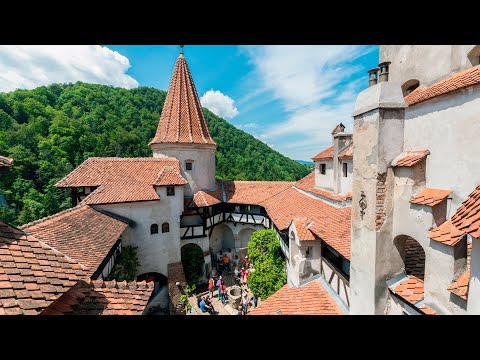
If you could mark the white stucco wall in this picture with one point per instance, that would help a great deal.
(346, 182)
(426, 63)
(473, 306)
(324, 181)
(448, 126)
(202, 175)
(155, 251)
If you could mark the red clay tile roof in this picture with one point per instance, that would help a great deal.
(308, 184)
(430, 197)
(100, 297)
(332, 224)
(32, 274)
(465, 220)
(119, 179)
(5, 162)
(81, 233)
(410, 158)
(427, 310)
(460, 286)
(176, 274)
(411, 289)
(310, 299)
(302, 225)
(182, 119)
(169, 176)
(347, 153)
(463, 79)
(414, 258)
(253, 192)
(204, 198)
(326, 154)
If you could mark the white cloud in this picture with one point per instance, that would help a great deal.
(311, 83)
(30, 66)
(248, 126)
(219, 103)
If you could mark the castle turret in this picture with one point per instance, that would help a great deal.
(183, 132)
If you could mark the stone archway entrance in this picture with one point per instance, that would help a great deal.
(244, 237)
(193, 263)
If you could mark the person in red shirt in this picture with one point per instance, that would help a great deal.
(223, 291)
(211, 287)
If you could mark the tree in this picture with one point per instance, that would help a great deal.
(193, 261)
(126, 265)
(266, 255)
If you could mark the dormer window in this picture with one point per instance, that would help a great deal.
(188, 165)
(323, 169)
(170, 190)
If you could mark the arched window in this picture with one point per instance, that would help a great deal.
(409, 86)
(165, 227)
(154, 229)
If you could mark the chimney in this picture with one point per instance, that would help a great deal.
(340, 140)
(372, 77)
(383, 71)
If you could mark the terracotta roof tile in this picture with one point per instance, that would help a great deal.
(204, 198)
(308, 184)
(347, 153)
(414, 258)
(310, 299)
(302, 225)
(326, 154)
(253, 192)
(102, 298)
(427, 310)
(23, 287)
(5, 162)
(119, 179)
(466, 220)
(411, 289)
(460, 286)
(81, 233)
(410, 158)
(332, 224)
(182, 119)
(463, 79)
(169, 176)
(430, 197)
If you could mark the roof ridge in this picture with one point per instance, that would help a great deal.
(53, 216)
(113, 284)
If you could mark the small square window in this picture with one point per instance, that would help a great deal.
(323, 169)
(170, 191)
(188, 165)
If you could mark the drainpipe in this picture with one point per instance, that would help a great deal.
(383, 71)
(372, 77)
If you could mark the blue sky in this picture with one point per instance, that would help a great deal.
(290, 97)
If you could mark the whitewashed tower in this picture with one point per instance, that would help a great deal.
(183, 132)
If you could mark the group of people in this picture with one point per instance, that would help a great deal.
(223, 262)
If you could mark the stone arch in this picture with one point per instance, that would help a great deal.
(412, 254)
(193, 263)
(244, 236)
(221, 239)
(410, 85)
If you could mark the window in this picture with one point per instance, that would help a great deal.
(345, 169)
(323, 169)
(165, 228)
(409, 86)
(170, 190)
(188, 165)
(154, 229)
(308, 251)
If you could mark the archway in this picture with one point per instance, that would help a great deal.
(412, 254)
(159, 302)
(244, 236)
(409, 86)
(221, 239)
(193, 262)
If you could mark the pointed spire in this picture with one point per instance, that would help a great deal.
(182, 119)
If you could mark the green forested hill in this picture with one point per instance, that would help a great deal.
(50, 130)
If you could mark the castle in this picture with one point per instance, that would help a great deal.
(387, 223)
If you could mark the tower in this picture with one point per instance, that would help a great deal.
(183, 133)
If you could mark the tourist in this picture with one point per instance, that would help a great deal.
(199, 300)
(254, 300)
(220, 263)
(240, 311)
(226, 261)
(204, 307)
(242, 275)
(245, 303)
(211, 286)
(237, 276)
(219, 284)
(246, 262)
(223, 291)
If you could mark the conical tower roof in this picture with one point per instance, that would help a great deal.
(182, 119)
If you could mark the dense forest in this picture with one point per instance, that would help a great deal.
(51, 130)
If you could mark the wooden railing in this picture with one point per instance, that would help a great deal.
(338, 282)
